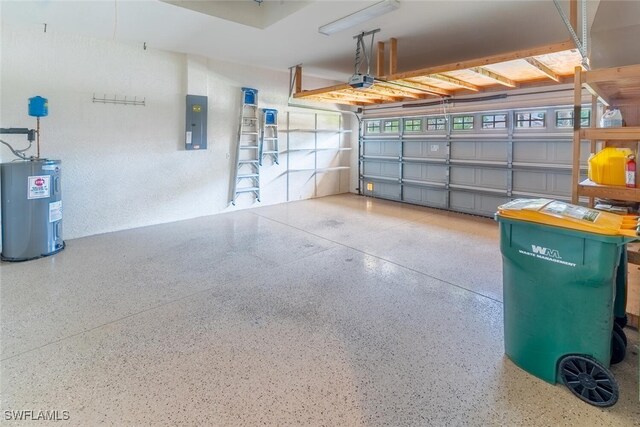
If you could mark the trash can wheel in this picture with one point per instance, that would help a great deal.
(622, 321)
(589, 380)
(620, 332)
(618, 346)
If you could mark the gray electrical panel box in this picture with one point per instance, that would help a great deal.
(196, 123)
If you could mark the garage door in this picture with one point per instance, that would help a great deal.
(470, 162)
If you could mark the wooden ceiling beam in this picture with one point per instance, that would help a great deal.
(397, 92)
(376, 97)
(417, 93)
(505, 81)
(393, 56)
(609, 74)
(365, 94)
(487, 60)
(298, 79)
(335, 88)
(423, 87)
(358, 99)
(573, 14)
(339, 99)
(543, 68)
(380, 60)
(454, 81)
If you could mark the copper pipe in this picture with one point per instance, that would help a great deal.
(38, 137)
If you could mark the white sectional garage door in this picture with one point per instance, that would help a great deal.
(469, 162)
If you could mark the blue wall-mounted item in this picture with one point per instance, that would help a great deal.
(38, 106)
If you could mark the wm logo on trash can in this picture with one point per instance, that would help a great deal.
(545, 251)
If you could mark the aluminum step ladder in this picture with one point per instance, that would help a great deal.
(247, 173)
(269, 136)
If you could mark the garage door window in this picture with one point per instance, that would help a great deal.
(391, 126)
(413, 125)
(534, 119)
(463, 123)
(436, 123)
(494, 121)
(373, 126)
(564, 118)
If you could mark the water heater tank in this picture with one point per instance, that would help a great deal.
(31, 209)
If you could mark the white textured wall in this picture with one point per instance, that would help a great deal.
(125, 166)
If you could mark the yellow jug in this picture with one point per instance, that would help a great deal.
(607, 167)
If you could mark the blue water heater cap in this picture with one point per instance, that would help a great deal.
(38, 106)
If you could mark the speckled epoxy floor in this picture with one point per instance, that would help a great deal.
(335, 311)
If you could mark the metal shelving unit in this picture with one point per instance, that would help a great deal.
(315, 131)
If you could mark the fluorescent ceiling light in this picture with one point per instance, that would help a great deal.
(364, 15)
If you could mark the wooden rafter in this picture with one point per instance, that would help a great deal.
(352, 98)
(336, 97)
(370, 95)
(335, 88)
(454, 81)
(393, 56)
(487, 60)
(553, 64)
(380, 60)
(398, 92)
(505, 81)
(340, 101)
(543, 68)
(424, 87)
(298, 78)
(418, 93)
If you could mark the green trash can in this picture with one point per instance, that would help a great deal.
(559, 290)
(620, 308)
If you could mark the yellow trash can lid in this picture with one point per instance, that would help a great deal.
(561, 214)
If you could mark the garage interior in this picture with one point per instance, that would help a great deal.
(254, 233)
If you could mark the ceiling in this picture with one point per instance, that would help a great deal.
(428, 32)
(615, 33)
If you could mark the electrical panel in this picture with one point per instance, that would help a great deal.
(196, 123)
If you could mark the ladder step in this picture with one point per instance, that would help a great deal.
(249, 118)
(249, 105)
(247, 161)
(269, 152)
(249, 133)
(247, 190)
(248, 147)
(270, 139)
(248, 175)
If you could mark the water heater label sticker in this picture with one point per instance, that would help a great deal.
(39, 187)
(51, 168)
(55, 211)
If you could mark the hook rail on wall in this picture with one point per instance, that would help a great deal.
(122, 101)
